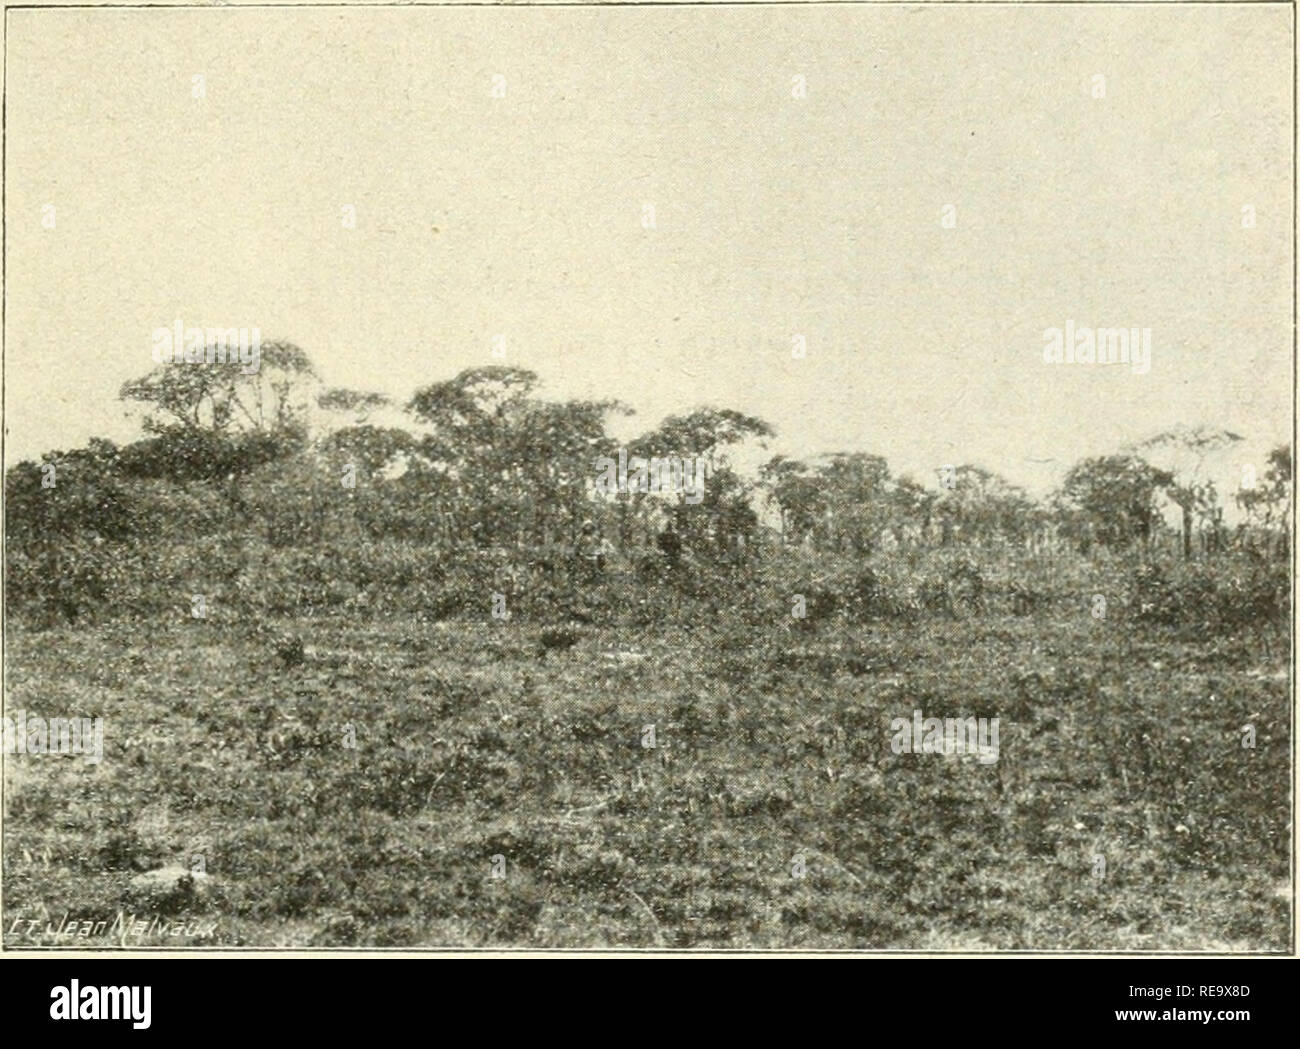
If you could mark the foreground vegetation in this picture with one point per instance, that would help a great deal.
(370, 793)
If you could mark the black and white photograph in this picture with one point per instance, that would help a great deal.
(649, 479)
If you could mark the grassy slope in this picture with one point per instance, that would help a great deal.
(769, 746)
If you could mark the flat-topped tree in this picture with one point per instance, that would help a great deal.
(1183, 451)
(704, 432)
(226, 397)
(520, 466)
(220, 419)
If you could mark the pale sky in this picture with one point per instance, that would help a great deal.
(774, 215)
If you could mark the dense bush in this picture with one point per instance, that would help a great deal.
(1228, 594)
(75, 578)
(138, 532)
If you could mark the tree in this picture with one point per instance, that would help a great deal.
(731, 511)
(222, 397)
(795, 493)
(517, 467)
(1111, 499)
(372, 448)
(1267, 506)
(857, 500)
(211, 421)
(984, 506)
(911, 504)
(709, 434)
(470, 447)
(557, 445)
(1182, 452)
(705, 432)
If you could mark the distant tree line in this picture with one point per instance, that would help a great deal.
(485, 462)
